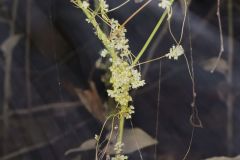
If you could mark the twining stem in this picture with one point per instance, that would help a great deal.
(221, 37)
(152, 60)
(119, 6)
(135, 13)
(151, 35)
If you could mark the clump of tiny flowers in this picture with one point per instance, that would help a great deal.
(118, 149)
(103, 5)
(123, 76)
(118, 39)
(127, 111)
(164, 4)
(175, 52)
(85, 4)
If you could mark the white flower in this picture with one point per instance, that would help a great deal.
(164, 4)
(103, 5)
(136, 80)
(128, 111)
(88, 20)
(103, 53)
(85, 4)
(118, 147)
(118, 39)
(175, 52)
(96, 137)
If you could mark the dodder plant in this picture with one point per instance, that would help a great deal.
(124, 76)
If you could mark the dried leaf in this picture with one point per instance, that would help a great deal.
(133, 140)
(9, 44)
(92, 102)
(85, 146)
(222, 66)
(182, 3)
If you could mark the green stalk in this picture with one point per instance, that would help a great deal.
(151, 35)
(101, 35)
(120, 129)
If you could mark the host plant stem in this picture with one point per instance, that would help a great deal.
(151, 35)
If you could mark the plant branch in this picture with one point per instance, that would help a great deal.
(120, 129)
(101, 35)
(221, 37)
(151, 35)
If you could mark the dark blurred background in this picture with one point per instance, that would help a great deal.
(48, 51)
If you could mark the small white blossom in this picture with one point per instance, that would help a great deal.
(175, 52)
(128, 111)
(103, 53)
(85, 4)
(118, 39)
(88, 20)
(103, 5)
(118, 150)
(123, 76)
(137, 82)
(164, 4)
(97, 138)
(123, 79)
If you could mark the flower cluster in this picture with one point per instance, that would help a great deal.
(103, 53)
(118, 39)
(123, 76)
(118, 149)
(127, 111)
(164, 4)
(103, 5)
(85, 4)
(82, 4)
(96, 137)
(120, 80)
(175, 52)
